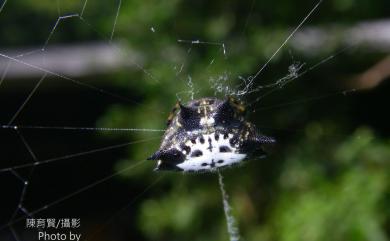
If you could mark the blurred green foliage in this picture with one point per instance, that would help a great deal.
(328, 176)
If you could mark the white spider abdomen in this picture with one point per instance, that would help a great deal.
(210, 152)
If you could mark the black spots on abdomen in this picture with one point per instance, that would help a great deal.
(210, 144)
(185, 148)
(224, 149)
(196, 153)
(233, 141)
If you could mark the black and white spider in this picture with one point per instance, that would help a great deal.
(208, 134)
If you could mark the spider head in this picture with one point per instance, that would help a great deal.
(211, 113)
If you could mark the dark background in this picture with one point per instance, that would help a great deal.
(326, 178)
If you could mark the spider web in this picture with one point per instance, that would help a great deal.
(29, 165)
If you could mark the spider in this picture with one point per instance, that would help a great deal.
(208, 134)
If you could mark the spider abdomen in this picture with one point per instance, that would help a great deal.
(210, 151)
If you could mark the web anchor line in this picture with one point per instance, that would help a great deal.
(252, 78)
(277, 85)
(27, 100)
(305, 100)
(231, 223)
(131, 202)
(37, 163)
(48, 72)
(67, 78)
(25, 181)
(116, 20)
(194, 42)
(2, 5)
(70, 195)
(75, 128)
(59, 19)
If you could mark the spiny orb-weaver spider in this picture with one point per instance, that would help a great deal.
(208, 134)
